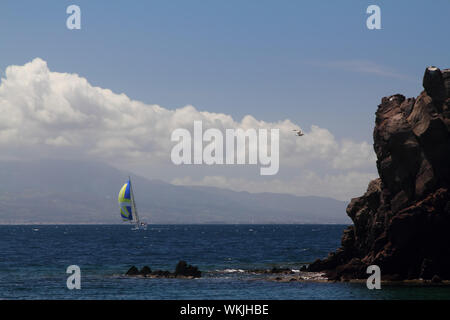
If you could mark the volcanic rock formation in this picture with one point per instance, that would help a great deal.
(402, 222)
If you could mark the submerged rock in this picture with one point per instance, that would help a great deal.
(402, 222)
(274, 270)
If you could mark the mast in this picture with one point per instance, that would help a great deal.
(133, 205)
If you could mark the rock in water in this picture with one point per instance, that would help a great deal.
(436, 279)
(446, 77)
(133, 271)
(145, 270)
(433, 83)
(183, 269)
(402, 222)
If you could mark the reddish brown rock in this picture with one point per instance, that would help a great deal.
(446, 79)
(402, 222)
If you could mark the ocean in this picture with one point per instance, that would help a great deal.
(34, 259)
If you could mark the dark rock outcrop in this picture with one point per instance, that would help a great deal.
(145, 271)
(436, 279)
(402, 222)
(133, 271)
(182, 270)
(279, 270)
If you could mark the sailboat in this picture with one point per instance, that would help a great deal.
(128, 210)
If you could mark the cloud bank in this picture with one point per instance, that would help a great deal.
(52, 114)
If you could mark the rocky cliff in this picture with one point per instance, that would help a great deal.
(402, 222)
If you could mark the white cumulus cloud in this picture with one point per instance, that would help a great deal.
(52, 114)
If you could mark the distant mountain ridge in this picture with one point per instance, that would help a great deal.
(67, 191)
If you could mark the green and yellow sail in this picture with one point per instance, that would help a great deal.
(126, 202)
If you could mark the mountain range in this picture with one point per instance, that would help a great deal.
(69, 191)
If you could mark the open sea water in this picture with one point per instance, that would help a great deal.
(33, 262)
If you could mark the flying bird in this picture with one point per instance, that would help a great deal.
(298, 132)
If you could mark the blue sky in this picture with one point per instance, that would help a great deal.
(314, 62)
